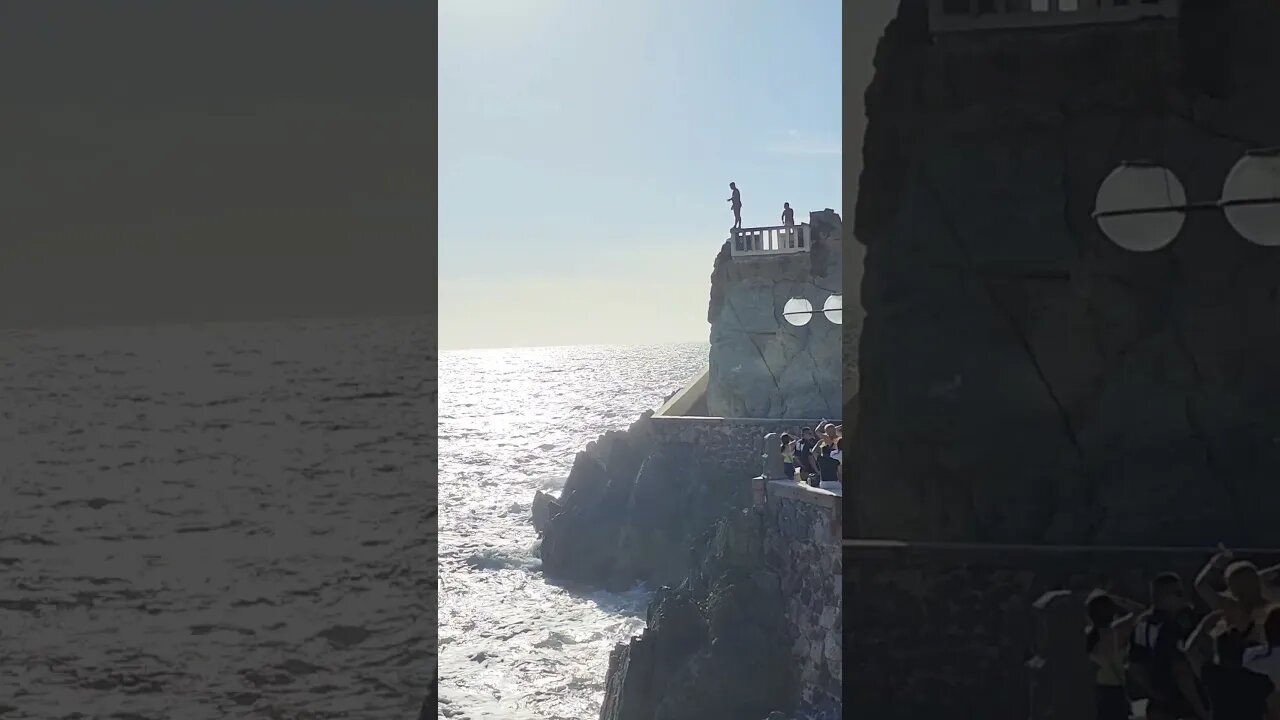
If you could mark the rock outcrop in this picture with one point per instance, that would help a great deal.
(762, 366)
(1023, 379)
(632, 509)
(715, 647)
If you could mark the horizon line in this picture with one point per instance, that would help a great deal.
(443, 349)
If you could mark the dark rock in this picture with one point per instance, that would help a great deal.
(713, 649)
(631, 509)
(545, 507)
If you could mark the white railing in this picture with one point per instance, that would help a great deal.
(775, 240)
(961, 15)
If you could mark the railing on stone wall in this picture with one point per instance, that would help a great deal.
(736, 444)
(961, 15)
(773, 240)
(824, 509)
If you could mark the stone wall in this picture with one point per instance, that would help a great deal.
(945, 630)
(1023, 379)
(802, 530)
(760, 364)
(734, 444)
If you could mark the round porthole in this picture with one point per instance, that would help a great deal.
(797, 311)
(1251, 197)
(1140, 207)
(833, 309)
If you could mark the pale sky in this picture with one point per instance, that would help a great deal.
(586, 148)
(196, 162)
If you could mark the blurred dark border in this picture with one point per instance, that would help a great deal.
(126, 124)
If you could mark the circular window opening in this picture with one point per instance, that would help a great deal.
(1251, 197)
(1139, 207)
(797, 311)
(833, 309)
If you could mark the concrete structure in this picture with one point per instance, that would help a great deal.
(666, 502)
(774, 353)
(772, 240)
(734, 444)
(802, 546)
(966, 15)
(1040, 410)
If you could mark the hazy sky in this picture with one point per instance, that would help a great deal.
(586, 147)
(180, 161)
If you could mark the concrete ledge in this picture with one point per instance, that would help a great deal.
(802, 493)
(825, 503)
(1001, 550)
(686, 398)
(771, 422)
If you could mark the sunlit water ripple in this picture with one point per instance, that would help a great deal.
(228, 521)
(513, 646)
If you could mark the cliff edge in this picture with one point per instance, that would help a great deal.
(632, 509)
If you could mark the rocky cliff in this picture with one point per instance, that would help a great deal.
(632, 508)
(715, 647)
(1023, 379)
(762, 366)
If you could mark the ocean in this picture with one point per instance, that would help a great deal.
(512, 645)
(223, 521)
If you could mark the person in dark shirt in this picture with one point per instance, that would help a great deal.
(1216, 650)
(804, 453)
(735, 202)
(1156, 658)
(828, 464)
(788, 215)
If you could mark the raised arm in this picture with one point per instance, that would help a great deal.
(1123, 625)
(1270, 575)
(1198, 646)
(1210, 576)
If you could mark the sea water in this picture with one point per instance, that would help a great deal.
(512, 645)
(223, 521)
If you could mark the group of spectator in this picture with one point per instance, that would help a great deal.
(815, 456)
(1221, 662)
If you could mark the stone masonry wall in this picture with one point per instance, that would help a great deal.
(945, 630)
(801, 546)
(735, 444)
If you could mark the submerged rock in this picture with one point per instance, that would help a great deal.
(545, 507)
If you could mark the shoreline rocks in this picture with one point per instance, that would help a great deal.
(714, 647)
(630, 510)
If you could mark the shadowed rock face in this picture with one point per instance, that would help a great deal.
(631, 509)
(760, 365)
(1021, 378)
(715, 648)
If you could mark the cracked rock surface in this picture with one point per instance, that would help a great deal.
(761, 366)
(1021, 378)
